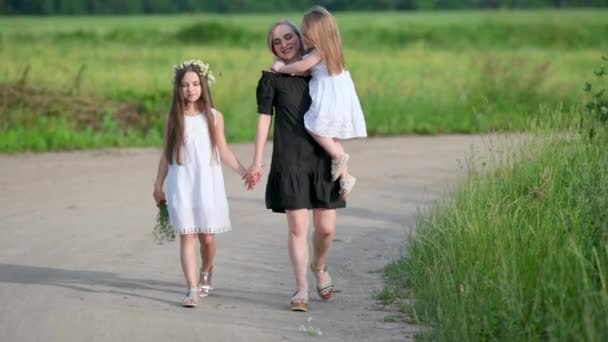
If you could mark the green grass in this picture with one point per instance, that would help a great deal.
(449, 73)
(518, 252)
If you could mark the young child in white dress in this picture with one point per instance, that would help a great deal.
(190, 167)
(335, 112)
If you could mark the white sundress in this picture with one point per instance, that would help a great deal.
(196, 197)
(335, 110)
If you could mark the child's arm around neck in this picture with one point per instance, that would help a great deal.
(302, 66)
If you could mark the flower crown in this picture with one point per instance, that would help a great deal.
(203, 69)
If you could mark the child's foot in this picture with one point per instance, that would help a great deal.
(346, 185)
(191, 298)
(204, 283)
(338, 165)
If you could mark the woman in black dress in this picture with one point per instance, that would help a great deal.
(299, 179)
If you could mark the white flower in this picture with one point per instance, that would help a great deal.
(205, 69)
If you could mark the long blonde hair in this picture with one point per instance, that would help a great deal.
(174, 130)
(321, 30)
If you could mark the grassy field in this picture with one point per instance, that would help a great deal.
(518, 251)
(517, 255)
(85, 82)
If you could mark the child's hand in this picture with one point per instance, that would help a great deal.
(159, 195)
(254, 174)
(277, 65)
(250, 182)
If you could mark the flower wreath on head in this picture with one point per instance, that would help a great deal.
(203, 71)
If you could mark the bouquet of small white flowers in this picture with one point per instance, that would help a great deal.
(162, 231)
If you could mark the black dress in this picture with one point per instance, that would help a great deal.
(299, 175)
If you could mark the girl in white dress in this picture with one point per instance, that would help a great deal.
(335, 112)
(194, 143)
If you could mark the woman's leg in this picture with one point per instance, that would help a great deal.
(325, 230)
(207, 251)
(324, 233)
(188, 258)
(298, 245)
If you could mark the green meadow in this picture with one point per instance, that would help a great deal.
(518, 251)
(87, 82)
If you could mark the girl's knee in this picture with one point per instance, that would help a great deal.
(187, 237)
(207, 239)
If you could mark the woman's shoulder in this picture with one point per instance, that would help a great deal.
(268, 74)
(267, 78)
(270, 78)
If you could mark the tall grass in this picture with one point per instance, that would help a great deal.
(519, 252)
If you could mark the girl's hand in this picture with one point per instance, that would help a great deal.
(249, 182)
(159, 195)
(254, 175)
(277, 65)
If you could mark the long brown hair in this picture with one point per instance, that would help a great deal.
(174, 129)
(322, 32)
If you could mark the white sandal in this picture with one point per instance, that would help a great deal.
(346, 185)
(338, 165)
(191, 298)
(204, 283)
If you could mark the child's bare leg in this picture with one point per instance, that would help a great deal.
(337, 153)
(207, 250)
(188, 258)
(207, 255)
(330, 145)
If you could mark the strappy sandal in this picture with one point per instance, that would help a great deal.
(338, 165)
(191, 298)
(204, 283)
(299, 301)
(346, 185)
(326, 290)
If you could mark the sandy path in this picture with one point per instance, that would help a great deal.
(78, 263)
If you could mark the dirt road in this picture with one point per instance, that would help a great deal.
(78, 262)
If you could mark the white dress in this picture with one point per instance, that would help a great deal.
(335, 110)
(196, 197)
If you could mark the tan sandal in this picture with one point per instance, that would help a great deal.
(204, 283)
(326, 290)
(338, 165)
(346, 185)
(299, 301)
(191, 298)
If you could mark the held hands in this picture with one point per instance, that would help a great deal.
(253, 176)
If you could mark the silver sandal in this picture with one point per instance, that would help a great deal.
(191, 298)
(204, 283)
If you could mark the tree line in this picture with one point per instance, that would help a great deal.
(93, 7)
